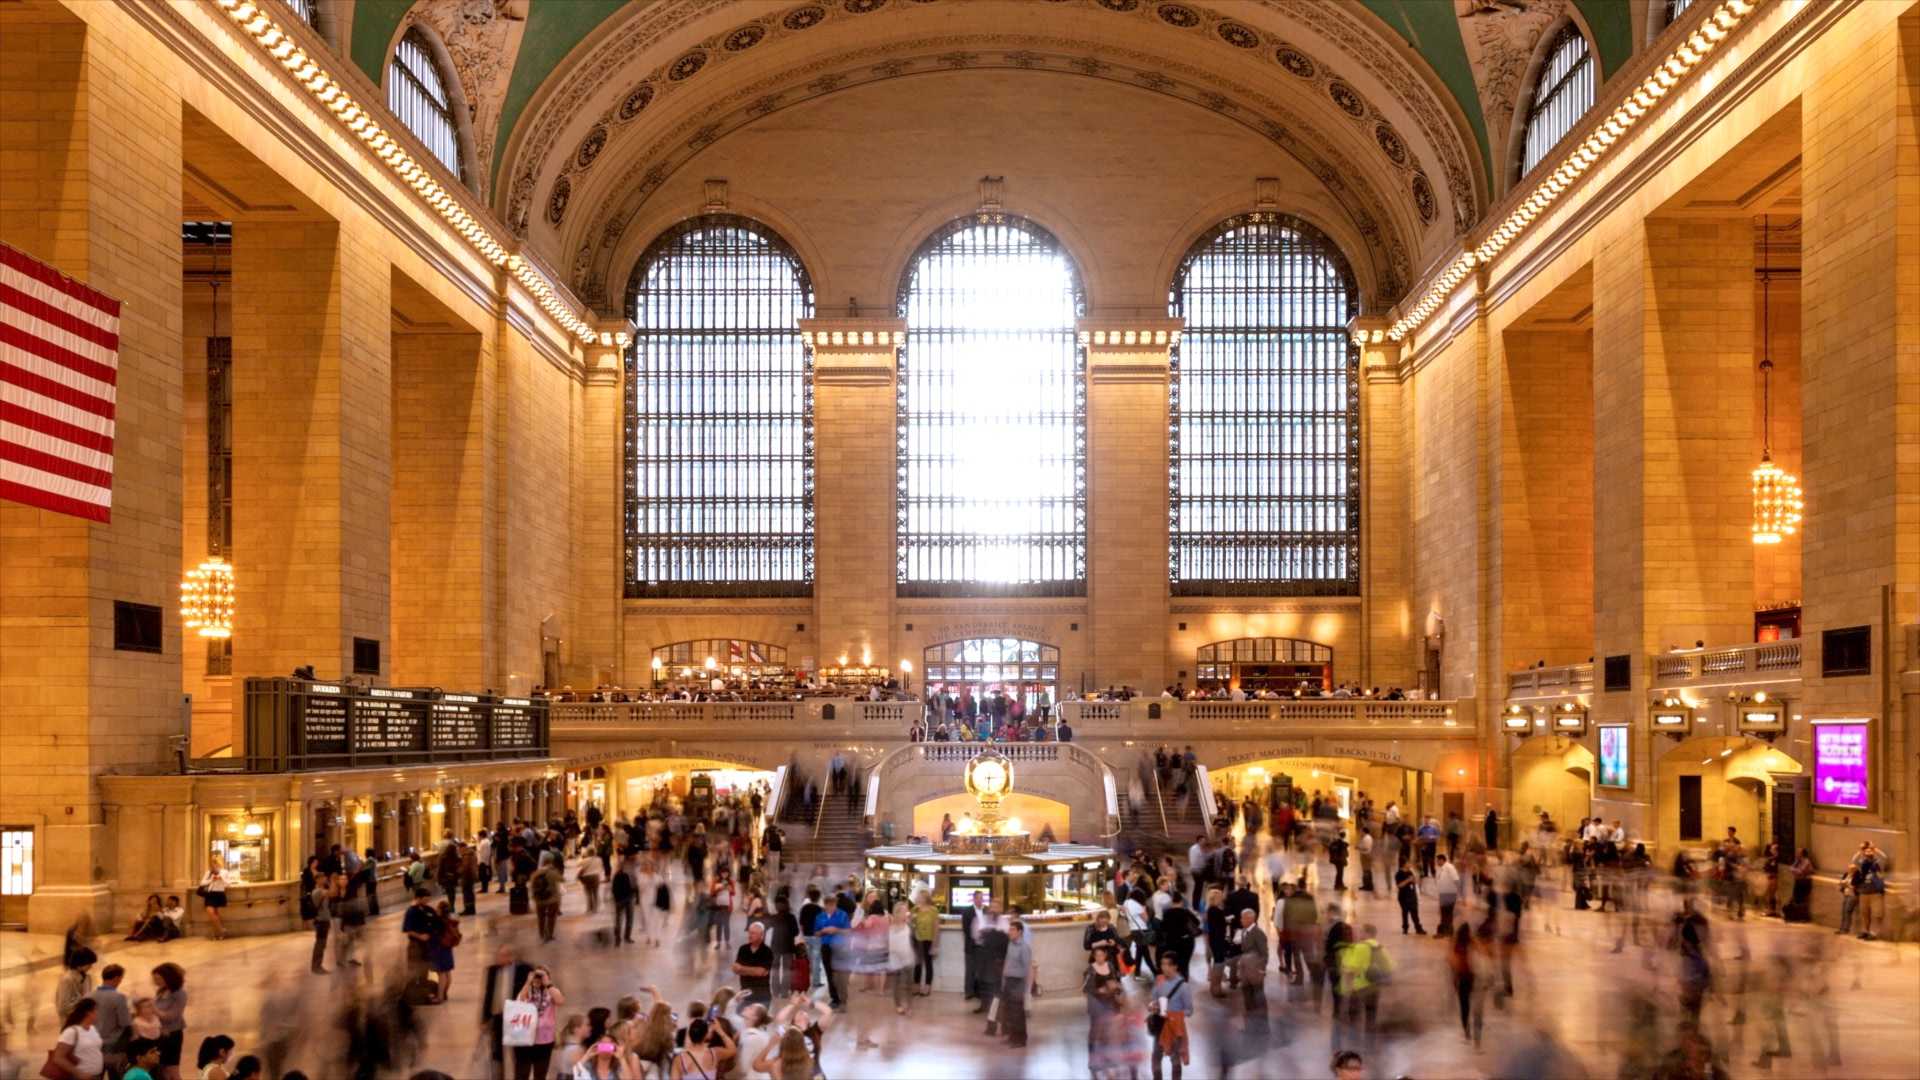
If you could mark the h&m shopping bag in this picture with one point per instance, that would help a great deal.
(517, 1022)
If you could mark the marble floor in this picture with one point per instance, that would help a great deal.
(1572, 1013)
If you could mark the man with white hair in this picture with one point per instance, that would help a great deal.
(753, 962)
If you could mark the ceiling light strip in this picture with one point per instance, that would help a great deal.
(1689, 54)
(253, 18)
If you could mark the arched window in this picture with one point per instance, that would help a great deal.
(719, 415)
(1264, 414)
(1561, 96)
(417, 95)
(992, 407)
(1675, 7)
(305, 9)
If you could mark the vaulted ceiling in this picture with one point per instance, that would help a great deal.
(582, 108)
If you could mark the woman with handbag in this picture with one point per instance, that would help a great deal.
(213, 893)
(78, 1053)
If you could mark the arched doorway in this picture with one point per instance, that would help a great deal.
(977, 667)
(1709, 784)
(1282, 665)
(1341, 782)
(1552, 776)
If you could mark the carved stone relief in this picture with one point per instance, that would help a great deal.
(482, 38)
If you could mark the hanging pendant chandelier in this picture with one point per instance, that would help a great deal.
(206, 599)
(1777, 498)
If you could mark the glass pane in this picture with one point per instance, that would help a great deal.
(1263, 649)
(991, 415)
(1048, 652)
(720, 416)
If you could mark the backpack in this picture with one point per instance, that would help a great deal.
(542, 887)
(622, 886)
(450, 933)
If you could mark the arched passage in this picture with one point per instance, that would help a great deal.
(1709, 784)
(1344, 781)
(1552, 776)
(627, 788)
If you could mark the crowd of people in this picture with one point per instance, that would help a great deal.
(1256, 935)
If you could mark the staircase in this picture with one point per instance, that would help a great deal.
(838, 840)
(1165, 822)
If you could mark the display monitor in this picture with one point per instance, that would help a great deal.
(1840, 776)
(1615, 767)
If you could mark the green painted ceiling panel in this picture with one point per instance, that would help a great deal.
(554, 27)
(1434, 32)
(373, 25)
(1612, 24)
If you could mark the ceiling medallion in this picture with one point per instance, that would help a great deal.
(687, 66)
(1391, 144)
(1295, 62)
(1423, 200)
(862, 7)
(591, 146)
(1240, 37)
(804, 18)
(639, 98)
(1347, 98)
(557, 201)
(1178, 15)
(1120, 5)
(745, 38)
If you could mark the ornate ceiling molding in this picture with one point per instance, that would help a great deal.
(1221, 35)
(1386, 225)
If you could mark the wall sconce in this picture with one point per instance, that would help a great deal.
(437, 807)
(362, 818)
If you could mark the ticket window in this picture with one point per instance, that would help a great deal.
(244, 845)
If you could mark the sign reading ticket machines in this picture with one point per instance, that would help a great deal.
(1840, 778)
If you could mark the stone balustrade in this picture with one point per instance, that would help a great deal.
(1154, 718)
(1760, 661)
(1550, 681)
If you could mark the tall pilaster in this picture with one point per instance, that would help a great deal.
(1387, 635)
(599, 512)
(312, 447)
(90, 184)
(1127, 366)
(854, 365)
(1860, 355)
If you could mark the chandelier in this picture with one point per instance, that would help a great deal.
(1777, 499)
(206, 598)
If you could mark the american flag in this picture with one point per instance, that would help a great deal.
(59, 359)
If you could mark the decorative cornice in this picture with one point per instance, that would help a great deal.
(1709, 30)
(1129, 332)
(387, 142)
(853, 333)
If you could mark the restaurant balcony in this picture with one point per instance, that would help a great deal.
(1757, 664)
(1534, 683)
(1162, 718)
(828, 718)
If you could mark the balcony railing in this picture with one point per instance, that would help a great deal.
(1156, 717)
(1550, 681)
(1761, 661)
(759, 718)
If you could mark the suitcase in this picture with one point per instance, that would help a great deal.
(421, 990)
(517, 903)
(802, 976)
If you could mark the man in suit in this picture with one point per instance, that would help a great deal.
(1252, 963)
(505, 977)
(969, 920)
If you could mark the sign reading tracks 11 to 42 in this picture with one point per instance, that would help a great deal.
(1840, 766)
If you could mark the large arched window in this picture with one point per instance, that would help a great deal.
(719, 415)
(417, 94)
(1561, 96)
(1264, 414)
(992, 415)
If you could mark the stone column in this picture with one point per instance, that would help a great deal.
(91, 186)
(313, 449)
(1860, 356)
(443, 511)
(855, 567)
(1673, 366)
(1388, 628)
(599, 532)
(1127, 475)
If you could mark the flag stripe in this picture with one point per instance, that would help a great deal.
(54, 279)
(55, 483)
(22, 333)
(102, 336)
(33, 439)
(52, 387)
(53, 463)
(47, 294)
(55, 410)
(16, 416)
(33, 495)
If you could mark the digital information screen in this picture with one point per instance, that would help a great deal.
(1840, 766)
(1616, 769)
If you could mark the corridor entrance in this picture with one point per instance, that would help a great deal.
(976, 668)
(1709, 784)
(1552, 776)
(1341, 781)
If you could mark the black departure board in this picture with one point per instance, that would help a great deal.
(293, 724)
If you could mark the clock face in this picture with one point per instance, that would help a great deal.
(989, 777)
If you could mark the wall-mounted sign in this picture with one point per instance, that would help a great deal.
(1517, 719)
(1570, 719)
(1616, 768)
(1672, 720)
(1840, 765)
(1763, 718)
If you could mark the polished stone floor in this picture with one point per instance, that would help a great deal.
(1572, 1013)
